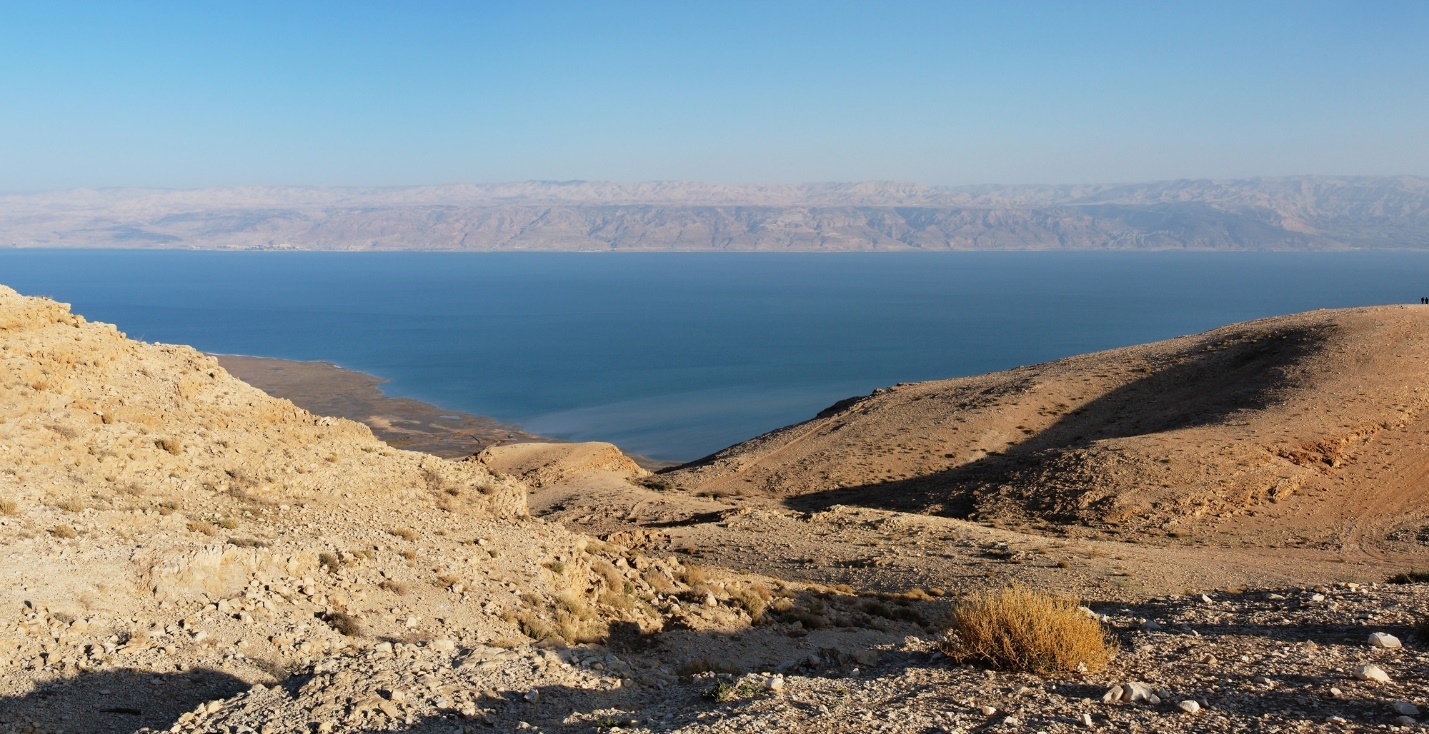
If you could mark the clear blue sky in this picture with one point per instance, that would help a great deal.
(190, 94)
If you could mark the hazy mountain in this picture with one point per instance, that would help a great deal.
(1310, 212)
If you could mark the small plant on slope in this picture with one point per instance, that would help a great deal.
(1027, 631)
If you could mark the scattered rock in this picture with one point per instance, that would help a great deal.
(1404, 708)
(1371, 672)
(1384, 640)
(1189, 707)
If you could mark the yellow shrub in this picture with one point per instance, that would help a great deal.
(1023, 630)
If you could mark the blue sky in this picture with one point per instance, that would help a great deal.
(198, 94)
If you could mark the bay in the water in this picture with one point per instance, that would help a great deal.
(677, 355)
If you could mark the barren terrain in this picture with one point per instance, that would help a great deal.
(186, 553)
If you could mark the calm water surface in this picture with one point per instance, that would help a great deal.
(677, 355)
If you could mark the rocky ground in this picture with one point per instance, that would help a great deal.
(183, 552)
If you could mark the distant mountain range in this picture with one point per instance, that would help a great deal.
(1295, 213)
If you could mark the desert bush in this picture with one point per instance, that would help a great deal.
(248, 542)
(555, 567)
(693, 575)
(1410, 577)
(611, 575)
(227, 523)
(9, 507)
(63, 531)
(344, 623)
(752, 599)
(329, 561)
(171, 445)
(399, 588)
(728, 691)
(71, 504)
(1028, 631)
(199, 526)
(404, 533)
(617, 600)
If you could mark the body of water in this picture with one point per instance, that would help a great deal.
(678, 355)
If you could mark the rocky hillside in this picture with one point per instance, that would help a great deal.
(1303, 430)
(1279, 214)
(172, 535)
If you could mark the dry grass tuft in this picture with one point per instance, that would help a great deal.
(9, 507)
(71, 504)
(404, 533)
(752, 599)
(693, 575)
(1022, 630)
(63, 531)
(399, 588)
(345, 623)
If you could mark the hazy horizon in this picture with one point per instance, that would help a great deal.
(185, 96)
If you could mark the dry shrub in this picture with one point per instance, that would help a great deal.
(1022, 630)
(399, 588)
(171, 445)
(609, 574)
(71, 504)
(617, 600)
(199, 526)
(329, 561)
(345, 623)
(63, 531)
(227, 523)
(658, 581)
(555, 567)
(693, 575)
(404, 533)
(752, 599)
(9, 507)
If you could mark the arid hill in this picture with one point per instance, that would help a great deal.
(1308, 430)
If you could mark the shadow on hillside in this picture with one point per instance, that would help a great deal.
(114, 701)
(1202, 388)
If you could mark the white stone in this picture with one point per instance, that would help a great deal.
(1384, 640)
(988, 710)
(1134, 691)
(1372, 672)
(776, 683)
(1189, 707)
(1404, 708)
(1113, 694)
(1087, 720)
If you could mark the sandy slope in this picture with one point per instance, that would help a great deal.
(1304, 430)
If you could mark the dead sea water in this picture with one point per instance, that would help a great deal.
(677, 355)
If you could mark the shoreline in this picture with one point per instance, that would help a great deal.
(325, 388)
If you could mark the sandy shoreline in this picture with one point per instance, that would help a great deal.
(405, 423)
(328, 389)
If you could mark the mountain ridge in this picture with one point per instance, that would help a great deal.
(1287, 213)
